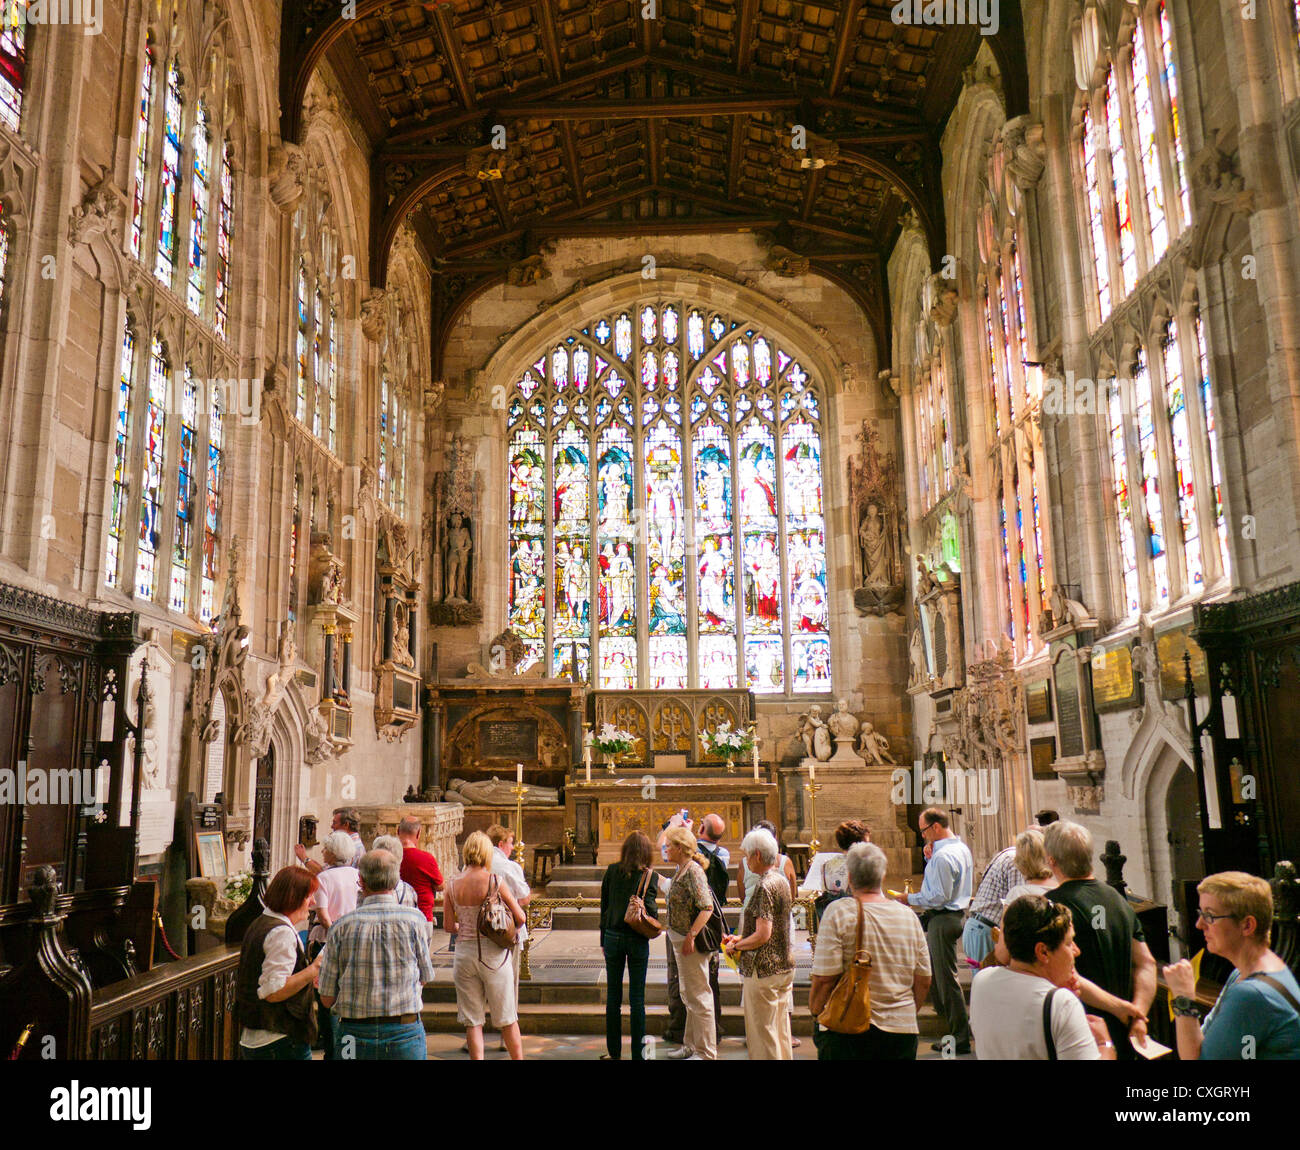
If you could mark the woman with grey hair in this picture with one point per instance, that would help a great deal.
(405, 892)
(340, 886)
(900, 964)
(763, 951)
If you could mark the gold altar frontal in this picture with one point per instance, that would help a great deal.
(606, 810)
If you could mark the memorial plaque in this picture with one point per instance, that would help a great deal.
(1114, 686)
(1042, 754)
(1169, 650)
(1038, 701)
(1069, 715)
(508, 739)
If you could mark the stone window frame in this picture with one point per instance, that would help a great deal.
(1138, 318)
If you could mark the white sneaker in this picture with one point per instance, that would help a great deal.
(681, 1052)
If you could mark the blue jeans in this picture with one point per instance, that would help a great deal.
(625, 946)
(976, 939)
(285, 1049)
(381, 1041)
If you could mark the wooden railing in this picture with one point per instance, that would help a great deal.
(180, 1012)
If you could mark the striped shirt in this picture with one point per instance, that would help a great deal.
(377, 960)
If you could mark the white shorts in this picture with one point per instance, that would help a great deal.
(484, 986)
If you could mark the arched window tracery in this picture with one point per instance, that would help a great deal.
(666, 513)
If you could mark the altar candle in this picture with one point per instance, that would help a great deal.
(519, 773)
(812, 773)
(756, 760)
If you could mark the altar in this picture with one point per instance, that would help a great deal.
(606, 810)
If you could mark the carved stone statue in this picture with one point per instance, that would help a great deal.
(877, 562)
(402, 638)
(458, 545)
(1065, 610)
(815, 734)
(495, 793)
(874, 746)
(925, 582)
(920, 674)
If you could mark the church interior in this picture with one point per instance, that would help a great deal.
(395, 396)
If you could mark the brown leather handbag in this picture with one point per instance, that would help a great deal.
(635, 915)
(848, 1010)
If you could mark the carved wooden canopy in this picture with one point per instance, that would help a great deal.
(622, 117)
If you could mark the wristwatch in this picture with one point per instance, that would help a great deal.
(1185, 1007)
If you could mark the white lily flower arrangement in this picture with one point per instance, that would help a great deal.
(612, 740)
(729, 742)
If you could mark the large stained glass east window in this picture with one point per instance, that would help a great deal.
(666, 509)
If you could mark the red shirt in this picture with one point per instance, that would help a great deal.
(420, 869)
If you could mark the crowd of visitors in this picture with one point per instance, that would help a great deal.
(341, 952)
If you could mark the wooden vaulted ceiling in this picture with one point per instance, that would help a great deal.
(625, 117)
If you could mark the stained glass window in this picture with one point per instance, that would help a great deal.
(1151, 479)
(1180, 436)
(4, 257)
(168, 237)
(1120, 181)
(1096, 224)
(318, 376)
(1216, 479)
(1175, 112)
(385, 390)
(702, 483)
(13, 60)
(142, 151)
(295, 531)
(200, 195)
(183, 540)
(1008, 576)
(212, 509)
(225, 234)
(1123, 499)
(121, 445)
(1148, 151)
(332, 390)
(151, 487)
(303, 323)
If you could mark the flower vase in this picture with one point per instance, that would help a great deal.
(731, 765)
(609, 764)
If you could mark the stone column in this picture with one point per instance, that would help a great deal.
(346, 684)
(431, 760)
(390, 620)
(327, 671)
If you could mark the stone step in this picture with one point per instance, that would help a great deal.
(535, 993)
(588, 918)
(589, 1018)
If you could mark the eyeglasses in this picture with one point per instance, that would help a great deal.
(1206, 916)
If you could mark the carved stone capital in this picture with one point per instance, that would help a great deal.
(1026, 151)
(1216, 171)
(942, 292)
(287, 180)
(96, 215)
(374, 315)
(433, 394)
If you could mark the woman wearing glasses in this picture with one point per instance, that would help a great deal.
(1027, 1010)
(1257, 1014)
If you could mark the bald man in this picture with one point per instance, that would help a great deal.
(708, 839)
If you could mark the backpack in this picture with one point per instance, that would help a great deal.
(716, 873)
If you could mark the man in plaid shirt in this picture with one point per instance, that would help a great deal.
(376, 962)
(986, 907)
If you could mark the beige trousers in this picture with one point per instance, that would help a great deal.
(693, 976)
(767, 1023)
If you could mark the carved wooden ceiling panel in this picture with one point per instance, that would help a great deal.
(612, 121)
